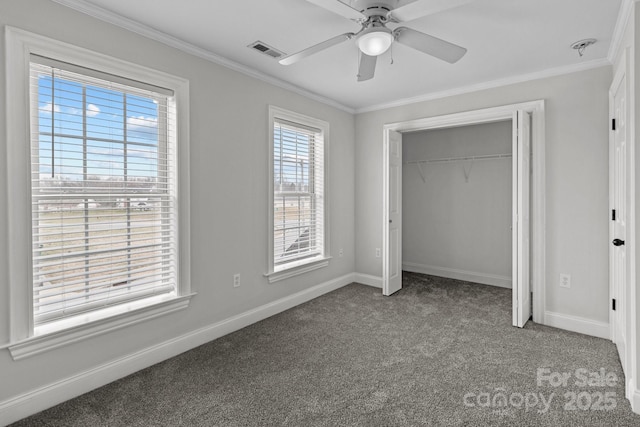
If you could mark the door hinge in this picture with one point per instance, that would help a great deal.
(613, 124)
(613, 214)
(613, 304)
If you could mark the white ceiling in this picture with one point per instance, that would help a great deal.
(505, 39)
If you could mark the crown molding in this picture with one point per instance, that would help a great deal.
(625, 12)
(603, 62)
(153, 34)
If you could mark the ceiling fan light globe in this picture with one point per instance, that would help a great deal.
(375, 43)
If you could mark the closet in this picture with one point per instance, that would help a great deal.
(457, 203)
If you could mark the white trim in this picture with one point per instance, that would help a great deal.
(538, 215)
(625, 12)
(20, 45)
(302, 266)
(635, 401)
(484, 115)
(368, 279)
(159, 36)
(297, 270)
(52, 394)
(583, 66)
(19, 185)
(166, 39)
(455, 273)
(39, 344)
(577, 324)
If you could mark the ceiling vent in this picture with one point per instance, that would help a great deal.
(266, 49)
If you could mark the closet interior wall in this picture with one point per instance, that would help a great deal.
(456, 210)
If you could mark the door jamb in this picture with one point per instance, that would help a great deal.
(488, 115)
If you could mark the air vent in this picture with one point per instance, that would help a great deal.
(266, 49)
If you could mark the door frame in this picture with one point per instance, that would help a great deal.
(488, 115)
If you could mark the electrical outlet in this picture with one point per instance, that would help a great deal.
(236, 280)
(378, 254)
(341, 252)
(565, 280)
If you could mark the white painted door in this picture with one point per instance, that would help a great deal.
(618, 174)
(521, 218)
(392, 261)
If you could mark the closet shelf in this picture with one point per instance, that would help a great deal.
(460, 159)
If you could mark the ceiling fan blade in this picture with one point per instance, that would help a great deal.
(422, 8)
(430, 45)
(340, 8)
(290, 59)
(367, 67)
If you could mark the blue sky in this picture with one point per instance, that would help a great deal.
(108, 113)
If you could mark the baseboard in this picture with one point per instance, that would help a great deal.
(29, 403)
(453, 273)
(635, 401)
(577, 324)
(369, 280)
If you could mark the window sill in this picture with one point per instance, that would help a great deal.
(131, 315)
(286, 273)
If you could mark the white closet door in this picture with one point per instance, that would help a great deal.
(521, 220)
(392, 263)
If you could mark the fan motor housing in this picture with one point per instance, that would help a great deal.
(376, 10)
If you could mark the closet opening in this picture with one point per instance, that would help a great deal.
(457, 203)
(463, 199)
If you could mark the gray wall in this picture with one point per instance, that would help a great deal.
(576, 181)
(229, 150)
(451, 226)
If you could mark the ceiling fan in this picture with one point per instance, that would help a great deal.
(375, 38)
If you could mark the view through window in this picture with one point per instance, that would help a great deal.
(298, 173)
(103, 191)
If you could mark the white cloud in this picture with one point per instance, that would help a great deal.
(48, 108)
(142, 122)
(92, 110)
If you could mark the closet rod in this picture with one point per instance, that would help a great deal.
(460, 159)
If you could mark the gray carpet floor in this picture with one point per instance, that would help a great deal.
(440, 352)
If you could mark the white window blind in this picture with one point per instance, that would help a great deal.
(298, 200)
(104, 196)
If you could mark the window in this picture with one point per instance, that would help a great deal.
(103, 196)
(105, 199)
(298, 203)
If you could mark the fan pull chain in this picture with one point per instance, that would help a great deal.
(391, 52)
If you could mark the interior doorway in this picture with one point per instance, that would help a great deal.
(527, 202)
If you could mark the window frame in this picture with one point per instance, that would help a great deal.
(296, 267)
(20, 45)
